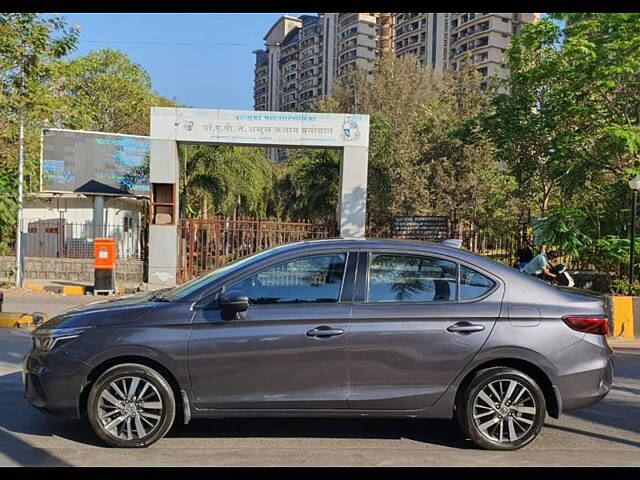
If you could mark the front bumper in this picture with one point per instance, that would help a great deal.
(53, 382)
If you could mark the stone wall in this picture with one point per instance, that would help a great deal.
(79, 270)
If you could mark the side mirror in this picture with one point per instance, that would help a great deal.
(233, 302)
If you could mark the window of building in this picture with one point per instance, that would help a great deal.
(407, 278)
(314, 279)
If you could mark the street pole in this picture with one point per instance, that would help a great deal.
(19, 257)
(632, 249)
(19, 246)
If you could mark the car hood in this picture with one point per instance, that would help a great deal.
(129, 308)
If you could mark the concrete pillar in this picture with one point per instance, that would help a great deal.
(353, 192)
(163, 239)
(98, 216)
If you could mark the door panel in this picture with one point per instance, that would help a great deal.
(267, 360)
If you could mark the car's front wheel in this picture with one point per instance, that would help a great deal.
(131, 405)
(501, 409)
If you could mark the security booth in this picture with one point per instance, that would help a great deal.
(171, 126)
(104, 251)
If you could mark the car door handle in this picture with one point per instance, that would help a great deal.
(465, 327)
(324, 331)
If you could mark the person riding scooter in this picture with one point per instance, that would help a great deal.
(539, 265)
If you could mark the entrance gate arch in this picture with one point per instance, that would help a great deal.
(171, 126)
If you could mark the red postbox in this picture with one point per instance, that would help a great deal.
(104, 254)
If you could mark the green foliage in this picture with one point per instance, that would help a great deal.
(29, 46)
(311, 185)
(104, 91)
(427, 152)
(224, 180)
(568, 130)
(621, 286)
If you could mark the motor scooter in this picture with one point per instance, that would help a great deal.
(563, 277)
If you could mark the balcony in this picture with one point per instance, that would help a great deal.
(289, 58)
(308, 31)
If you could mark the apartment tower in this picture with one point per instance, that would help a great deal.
(482, 40)
(304, 55)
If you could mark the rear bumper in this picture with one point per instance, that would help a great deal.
(53, 382)
(591, 383)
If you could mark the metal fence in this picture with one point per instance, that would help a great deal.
(208, 244)
(60, 239)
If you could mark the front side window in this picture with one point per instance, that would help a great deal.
(407, 278)
(473, 284)
(314, 279)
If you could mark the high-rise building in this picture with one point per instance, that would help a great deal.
(424, 35)
(445, 41)
(482, 40)
(261, 83)
(303, 55)
(268, 63)
(357, 42)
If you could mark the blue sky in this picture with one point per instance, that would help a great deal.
(205, 76)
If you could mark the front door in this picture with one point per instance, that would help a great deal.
(287, 351)
(420, 321)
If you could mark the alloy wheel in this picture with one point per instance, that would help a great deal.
(130, 408)
(504, 410)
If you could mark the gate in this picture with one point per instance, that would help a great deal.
(205, 245)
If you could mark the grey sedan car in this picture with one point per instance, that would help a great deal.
(341, 328)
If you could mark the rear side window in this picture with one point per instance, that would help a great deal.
(407, 278)
(473, 284)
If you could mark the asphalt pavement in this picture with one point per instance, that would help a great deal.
(604, 435)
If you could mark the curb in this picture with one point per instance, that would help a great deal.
(624, 315)
(14, 319)
(66, 289)
(19, 320)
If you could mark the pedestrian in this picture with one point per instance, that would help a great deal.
(539, 265)
(524, 254)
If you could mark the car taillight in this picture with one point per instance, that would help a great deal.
(587, 324)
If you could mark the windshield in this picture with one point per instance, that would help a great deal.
(191, 286)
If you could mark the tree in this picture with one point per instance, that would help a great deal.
(224, 180)
(427, 152)
(29, 47)
(570, 129)
(106, 92)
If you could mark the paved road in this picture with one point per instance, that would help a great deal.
(27, 301)
(607, 434)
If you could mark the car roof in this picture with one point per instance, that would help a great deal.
(395, 244)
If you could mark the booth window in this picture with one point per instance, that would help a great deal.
(163, 202)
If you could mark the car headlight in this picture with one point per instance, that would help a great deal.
(44, 340)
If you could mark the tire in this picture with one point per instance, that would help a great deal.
(509, 426)
(136, 401)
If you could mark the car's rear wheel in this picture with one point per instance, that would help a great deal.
(131, 405)
(501, 409)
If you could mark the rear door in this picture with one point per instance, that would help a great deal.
(417, 321)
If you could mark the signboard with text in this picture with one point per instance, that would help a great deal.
(427, 228)
(260, 127)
